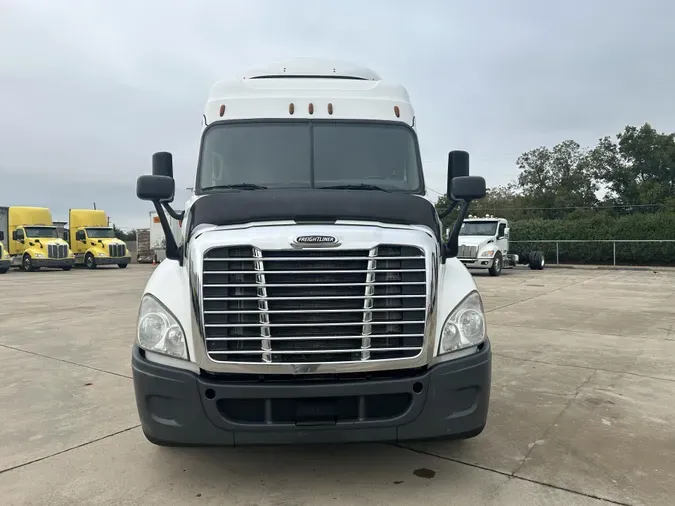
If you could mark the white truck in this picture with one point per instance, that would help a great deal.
(484, 244)
(310, 297)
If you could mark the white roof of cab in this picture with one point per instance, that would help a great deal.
(312, 67)
(335, 90)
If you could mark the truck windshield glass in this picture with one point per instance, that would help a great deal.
(100, 233)
(478, 228)
(41, 232)
(305, 154)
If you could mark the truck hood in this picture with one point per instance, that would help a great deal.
(474, 240)
(47, 240)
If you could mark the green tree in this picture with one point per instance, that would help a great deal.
(638, 169)
(556, 179)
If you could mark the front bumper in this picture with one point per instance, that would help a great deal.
(477, 263)
(55, 263)
(112, 260)
(180, 407)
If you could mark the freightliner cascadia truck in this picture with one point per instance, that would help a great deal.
(93, 241)
(32, 240)
(310, 296)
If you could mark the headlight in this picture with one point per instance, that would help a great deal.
(488, 253)
(39, 255)
(101, 254)
(465, 327)
(158, 329)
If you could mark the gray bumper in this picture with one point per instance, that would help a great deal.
(112, 260)
(448, 400)
(52, 262)
(477, 263)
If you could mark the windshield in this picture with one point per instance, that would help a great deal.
(304, 154)
(100, 233)
(478, 228)
(41, 232)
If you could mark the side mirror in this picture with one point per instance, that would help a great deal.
(2, 235)
(468, 188)
(458, 166)
(155, 188)
(507, 231)
(162, 164)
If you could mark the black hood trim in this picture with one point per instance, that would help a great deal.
(238, 207)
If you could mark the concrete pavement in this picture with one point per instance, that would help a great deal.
(583, 405)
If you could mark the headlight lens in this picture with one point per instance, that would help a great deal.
(465, 327)
(39, 255)
(158, 329)
(488, 253)
(101, 254)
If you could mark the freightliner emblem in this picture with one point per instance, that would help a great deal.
(315, 241)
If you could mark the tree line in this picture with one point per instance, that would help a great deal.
(621, 188)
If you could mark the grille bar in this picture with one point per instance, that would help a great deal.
(303, 311)
(307, 338)
(299, 285)
(306, 258)
(287, 352)
(337, 297)
(314, 306)
(329, 324)
(320, 272)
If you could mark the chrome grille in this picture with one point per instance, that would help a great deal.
(116, 250)
(467, 251)
(57, 251)
(314, 306)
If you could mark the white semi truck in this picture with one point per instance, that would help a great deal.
(484, 244)
(310, 297)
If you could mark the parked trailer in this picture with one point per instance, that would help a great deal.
(157, 237)
(144, 253)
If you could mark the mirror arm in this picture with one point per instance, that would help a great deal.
(174, 214)
(449, 209)
(171, 247)
(450, 248)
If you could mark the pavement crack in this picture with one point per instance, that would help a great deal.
(611, 371)
(548, 293)
(14, 348)
(533, 445)
(510, 476)
(19, 466)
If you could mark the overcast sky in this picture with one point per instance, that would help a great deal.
(90, 89)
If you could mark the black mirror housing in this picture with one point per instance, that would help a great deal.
(15, 236)
(155, 188)
(458, 166)
(162, 164)
(468, 188)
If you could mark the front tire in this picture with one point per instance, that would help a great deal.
(89, 261)
(122, 266)
(66, 268)
(3, 271)
(496, 268)
(27, 263)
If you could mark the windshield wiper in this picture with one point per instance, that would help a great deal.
(240, 186)
(354, 187)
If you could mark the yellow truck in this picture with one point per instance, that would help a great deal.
(93, 241)
(5, 260)
(32, 241)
